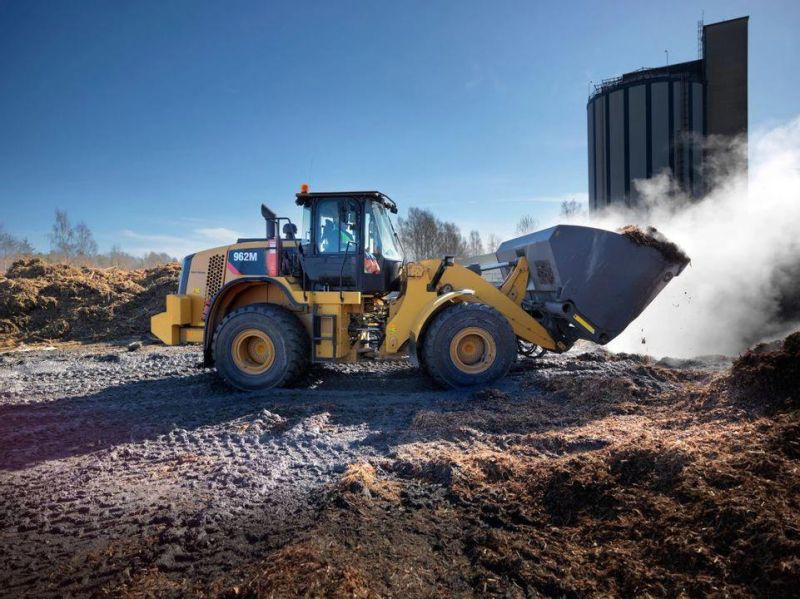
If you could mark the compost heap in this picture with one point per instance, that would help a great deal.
(614, 477)
(47, 302)
(652, 237)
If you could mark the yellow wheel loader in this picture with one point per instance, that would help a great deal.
(340, 290)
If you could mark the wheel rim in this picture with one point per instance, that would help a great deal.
(253, 351)
(473, 350)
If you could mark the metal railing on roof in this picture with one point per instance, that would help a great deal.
(607, 84)
(639, 74)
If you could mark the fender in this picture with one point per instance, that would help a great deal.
(433, 307)
(214, 305)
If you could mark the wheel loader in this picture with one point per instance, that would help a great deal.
(340, 290)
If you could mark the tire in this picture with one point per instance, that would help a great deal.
(261, 346)
(468, 344)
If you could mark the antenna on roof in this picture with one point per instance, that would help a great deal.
(667, 54)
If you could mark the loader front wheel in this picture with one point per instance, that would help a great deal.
(468, 344)
(260, 346)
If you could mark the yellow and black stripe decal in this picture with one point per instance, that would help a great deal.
(581, 321)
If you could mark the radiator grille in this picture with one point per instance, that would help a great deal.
(216, 269)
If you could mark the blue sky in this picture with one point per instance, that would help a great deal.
(164, 125)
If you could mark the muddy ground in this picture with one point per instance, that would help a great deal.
(138, 474)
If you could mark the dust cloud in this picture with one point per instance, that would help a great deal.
(743, 283)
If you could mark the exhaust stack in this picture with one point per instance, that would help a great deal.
(271, 219)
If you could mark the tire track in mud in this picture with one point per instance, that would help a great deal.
(138, 470)
(118, 466)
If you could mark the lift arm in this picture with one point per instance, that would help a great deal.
(410, 314)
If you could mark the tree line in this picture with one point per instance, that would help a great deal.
(74, 244)
(422, 234)
(425, 236)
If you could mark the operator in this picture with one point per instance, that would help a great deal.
(336, 239)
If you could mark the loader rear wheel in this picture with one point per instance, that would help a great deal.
(468, 344)
(260, 346)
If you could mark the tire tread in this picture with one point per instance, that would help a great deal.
(298, 344)
(428, 351)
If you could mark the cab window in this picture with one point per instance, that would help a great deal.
(382, 233)
(306, 225)
(371, 239)
(337, 226)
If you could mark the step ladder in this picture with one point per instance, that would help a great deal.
(317, 336)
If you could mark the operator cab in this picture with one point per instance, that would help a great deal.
(348, 242)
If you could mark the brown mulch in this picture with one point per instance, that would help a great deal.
(58, 302)
(652, 237)
(663, 485)
(609, 477)
(771, 371)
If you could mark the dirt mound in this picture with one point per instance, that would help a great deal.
(45, 302)
(303, 570)
(613, 478)
(652, 237)
(361, 481)
(771, 371)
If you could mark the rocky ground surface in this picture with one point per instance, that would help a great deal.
(138, 474)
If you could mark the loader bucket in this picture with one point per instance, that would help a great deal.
(593, 281)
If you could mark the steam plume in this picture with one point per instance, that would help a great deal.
(743, 285)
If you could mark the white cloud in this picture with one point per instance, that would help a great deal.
(221, 234)
(151, 238)
(197, 239)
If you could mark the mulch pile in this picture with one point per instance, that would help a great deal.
(771, 371)
(652, 237)
(653, 483)
(48, 302)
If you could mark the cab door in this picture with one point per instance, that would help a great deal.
(372, 275)
(335, 244)
(382, 257)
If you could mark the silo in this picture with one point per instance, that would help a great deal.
(642, 124)
(657, 120)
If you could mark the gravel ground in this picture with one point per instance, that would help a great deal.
(124, 470)
(116, 465)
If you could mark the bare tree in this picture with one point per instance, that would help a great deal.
(117, 258)
(85, 246)
(527, 224)
(69, 243)
(152, 259)
(122, 259)
(62, 237)
(492, 243)
(424, 236)
(419, 232)
(12, 248)
(451, 243)
(571, 209)
(475, 244)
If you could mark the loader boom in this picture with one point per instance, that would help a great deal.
(417, 305)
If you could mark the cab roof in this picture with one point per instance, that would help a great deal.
(305, 199)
